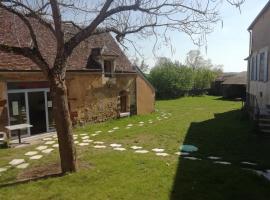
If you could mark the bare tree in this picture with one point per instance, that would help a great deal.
(120, 17)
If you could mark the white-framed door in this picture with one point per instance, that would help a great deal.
(19, 108)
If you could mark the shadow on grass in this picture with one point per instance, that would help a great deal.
(230, 137)
(15, 183)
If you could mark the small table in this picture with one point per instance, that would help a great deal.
(18, 127)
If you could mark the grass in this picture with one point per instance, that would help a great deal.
(216, 126)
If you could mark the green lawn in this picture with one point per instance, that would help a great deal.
(215, 126)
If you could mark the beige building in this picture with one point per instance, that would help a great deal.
(102, 83)
(258, 87)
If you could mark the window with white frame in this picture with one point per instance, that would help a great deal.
(259, 66)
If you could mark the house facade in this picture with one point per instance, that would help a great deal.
(102, 83)
(258, 84)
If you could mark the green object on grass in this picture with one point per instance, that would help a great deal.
(188, 148)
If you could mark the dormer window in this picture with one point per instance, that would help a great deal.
(108, 68)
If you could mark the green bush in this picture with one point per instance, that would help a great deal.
(172, 80)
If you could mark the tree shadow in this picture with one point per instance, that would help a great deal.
(229, 136)
(20, 182)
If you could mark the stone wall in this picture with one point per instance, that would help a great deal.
(91, 99)
(3, 106)
(94, 100)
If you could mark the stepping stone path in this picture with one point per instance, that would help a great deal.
(136, 147)
(214, 158)
(55, 145)
(115, 128)
(141, 151)
(36, 157)
(83, 144)
(50, 142)
(47, 151)
(76, 142)
(110, 131)
(87, 140)
(31, 153)
(158, 150)
(141, 122)
(191, 158)
(222, 162)
(40, 148)
(100, 146)
(115, 145)
(22, 166)
(130, 125)
(46, 139)
(95, 134)
(3, 169)
(119, 149)
(249, 163)
(85, 137)
(182, 153)
(98, 142)
(16, 162)
(162, 154)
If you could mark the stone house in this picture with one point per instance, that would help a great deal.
(102, 83)
(258, 85)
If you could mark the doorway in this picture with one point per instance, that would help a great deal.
(31, 106)
(37, 113)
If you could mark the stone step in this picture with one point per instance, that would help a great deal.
(268, 106)
(265, 131)
(264, 116)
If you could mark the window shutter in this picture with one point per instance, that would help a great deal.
(265, 78)
(258, 67)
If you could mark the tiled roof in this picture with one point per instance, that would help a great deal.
(14, 32)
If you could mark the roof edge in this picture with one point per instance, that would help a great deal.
(265, 8)
(141, 74)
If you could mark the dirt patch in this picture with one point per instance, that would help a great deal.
(48, 170)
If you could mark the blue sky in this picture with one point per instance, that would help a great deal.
(227, 45)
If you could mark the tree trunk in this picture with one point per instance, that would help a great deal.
(63, 124)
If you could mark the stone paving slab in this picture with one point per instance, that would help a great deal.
(47, 151)
(98, 142)
(157, 150)
(16, 162)
(3, 169)
(31, 153)
(22, 166)
(141, 151)
(222, 162)
(100, 146)
(191, 158)
(119, 149)
(135, 147)
(36, 157)
(214, 158)
(162, 154)
(40, 148)
(83, 144)
(115, 145)
(49, 142)
(55, 145)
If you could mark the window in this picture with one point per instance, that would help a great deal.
(108, 68)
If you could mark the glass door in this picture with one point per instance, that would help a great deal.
(17, 111)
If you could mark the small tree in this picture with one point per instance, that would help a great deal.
(146, 17)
